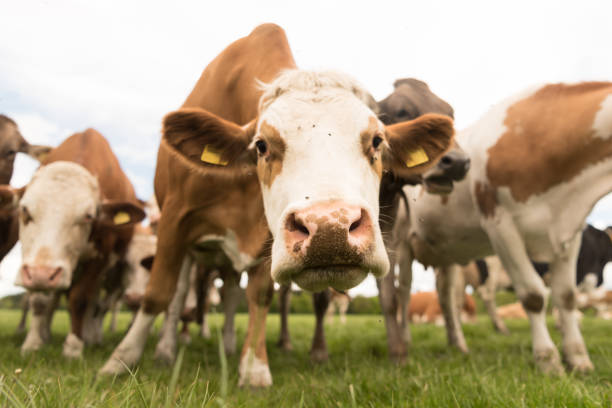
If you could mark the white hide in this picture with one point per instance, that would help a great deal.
(320, 117)
(59, 198)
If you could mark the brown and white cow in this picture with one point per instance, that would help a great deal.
(75, 222)
(262, 146)
(11, 143)
(540, 162)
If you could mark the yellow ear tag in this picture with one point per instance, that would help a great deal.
(121, 218)
(212, 156)
(417, 157)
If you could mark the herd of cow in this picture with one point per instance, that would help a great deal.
(300, 176)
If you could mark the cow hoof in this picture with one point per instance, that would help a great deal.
(30, 347)
(73, 347)
(319, 355)
(165, 354)
(285, 345)
(185, 338)
(229, 344)
(549, 362)
(113, 367)
(577, 358)
(254, 372)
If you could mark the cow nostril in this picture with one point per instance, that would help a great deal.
(55, 273)
(26, 271)
(293, 224)
(355, 225)
(446, 160)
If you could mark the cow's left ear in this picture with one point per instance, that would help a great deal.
(120, 214)
(38, 152)
(416, 145)
(9, 198)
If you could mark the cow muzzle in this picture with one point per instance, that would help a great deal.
(330, 245)
(453, 166)
(34, 277)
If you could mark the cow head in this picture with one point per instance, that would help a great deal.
(319, 153)
(410, 99)
(11, 143)
(139, 259)
(59, 211)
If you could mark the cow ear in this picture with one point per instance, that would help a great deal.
(38, 152)
(416, 145)
(120, 214)
(208, 141)
(147, 262)
(9, 198)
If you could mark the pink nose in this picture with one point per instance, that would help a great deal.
(335, 224)
(41, 277)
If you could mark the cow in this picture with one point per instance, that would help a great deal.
(279, 168)
(76, 218)
(338, 301)
(410, 99)
(540, 161)
(424, 307)
(512, 311)
(11, 143)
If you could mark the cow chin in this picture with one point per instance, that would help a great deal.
(339, 277)
(438, 184)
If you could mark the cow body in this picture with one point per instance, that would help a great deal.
(540, 162)
(74, 241)
(424, 307)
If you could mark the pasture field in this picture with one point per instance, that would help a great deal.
(497, 373)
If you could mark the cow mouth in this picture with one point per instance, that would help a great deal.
(339, 277)
(438, 184)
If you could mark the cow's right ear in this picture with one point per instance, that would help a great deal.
(9, 198)
(208, 141)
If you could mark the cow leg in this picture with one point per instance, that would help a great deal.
(82, 297)
(530, 289)
(563, 285)
(232, 293)
(25, 308)
(404, 257)
(39, 304)
(254, 369)
(166, 347)
(487, 293)
(284, 301)
(447, 296)
(388, 302)
(318, 350)
(167, 267)
(112, 327)
(342, 309)
(45, 329)
(204, 329)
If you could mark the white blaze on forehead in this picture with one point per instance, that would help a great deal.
(603, 119)
(57, 199)
(320, 117)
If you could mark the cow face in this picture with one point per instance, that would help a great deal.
(11, 143)
(59, 212)
(410, 99)
(139, 260)
(319, 153)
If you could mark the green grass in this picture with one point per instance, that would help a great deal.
(498, 372)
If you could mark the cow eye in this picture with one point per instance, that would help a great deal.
(26, 218)
(261, 146)
(11, 153)
(88, 218)
(376, 141)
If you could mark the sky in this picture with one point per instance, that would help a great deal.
(119, 66)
